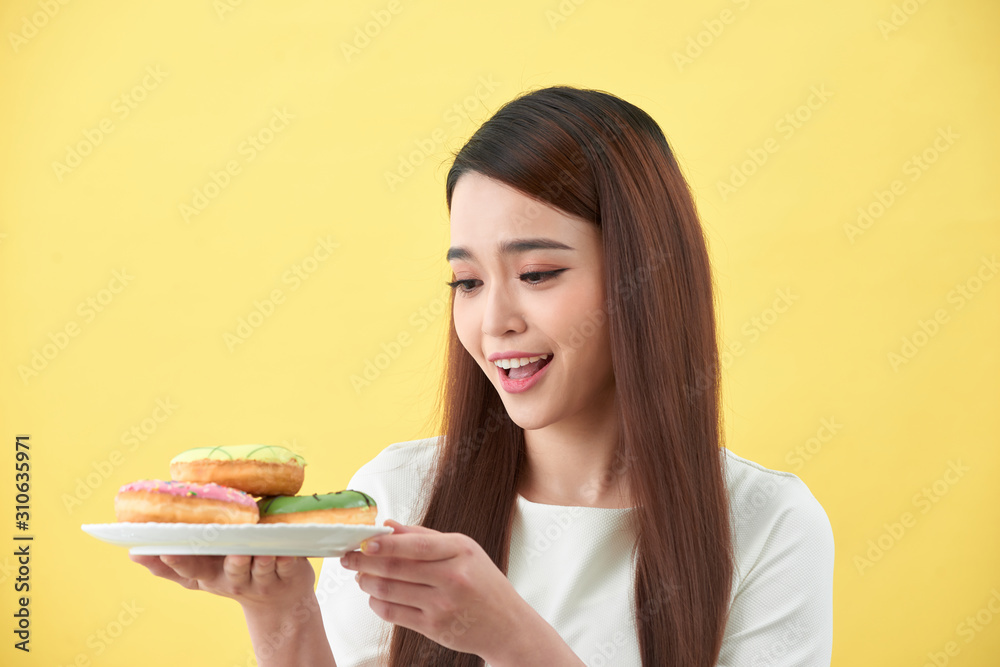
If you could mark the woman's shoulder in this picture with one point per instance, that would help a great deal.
(782, 590)
(773, 511)
(755, 490)
(399, 478)
(407, 453)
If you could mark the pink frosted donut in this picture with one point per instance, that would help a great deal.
(183, 502)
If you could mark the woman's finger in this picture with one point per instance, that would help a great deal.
(161, 569)
(151, 562)
(237, 569)
(430, 573)
(416, 545)
(262, 569)
(284, 566)
(398, 614)
(395, 591)
(203, 568)
(398, 527)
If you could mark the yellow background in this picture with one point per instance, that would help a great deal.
(892, 75)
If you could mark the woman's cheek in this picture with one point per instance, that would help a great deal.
(468, 329)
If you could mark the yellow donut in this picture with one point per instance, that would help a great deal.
(260, 470)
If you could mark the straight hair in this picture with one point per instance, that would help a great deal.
(602, 159)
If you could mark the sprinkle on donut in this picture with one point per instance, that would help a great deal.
(208, 491)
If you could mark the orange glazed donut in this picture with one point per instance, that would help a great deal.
(260, 470)
(181, 502)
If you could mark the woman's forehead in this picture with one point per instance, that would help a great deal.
(490, 216)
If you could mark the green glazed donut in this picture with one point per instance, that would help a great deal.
(348, 506)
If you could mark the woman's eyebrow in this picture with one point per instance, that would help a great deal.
(511, 247)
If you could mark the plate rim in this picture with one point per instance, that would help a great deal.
(188, 543)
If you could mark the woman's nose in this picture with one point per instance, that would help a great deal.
(501, 313)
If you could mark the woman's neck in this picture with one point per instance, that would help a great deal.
(576, 462)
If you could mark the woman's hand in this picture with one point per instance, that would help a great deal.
(276, 593)
(444, 586)
(253, 581)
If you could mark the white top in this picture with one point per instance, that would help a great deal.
(573, 565)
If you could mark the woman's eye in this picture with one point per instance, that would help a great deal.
(531, 278)
(463, 285)
(536, 277)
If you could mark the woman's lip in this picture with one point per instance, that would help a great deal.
(512, 386)
(516, 354)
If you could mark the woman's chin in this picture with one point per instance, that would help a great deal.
(528, 417)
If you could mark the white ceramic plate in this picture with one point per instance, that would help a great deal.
(217, 539)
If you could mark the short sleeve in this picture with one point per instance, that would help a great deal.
(782, 611)
(394, 478)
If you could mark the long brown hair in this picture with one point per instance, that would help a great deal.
(602, 159)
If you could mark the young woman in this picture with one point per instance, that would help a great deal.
(579, 507)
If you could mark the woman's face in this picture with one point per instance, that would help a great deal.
(530, 281)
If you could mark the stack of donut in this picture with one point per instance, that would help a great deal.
(218, 485)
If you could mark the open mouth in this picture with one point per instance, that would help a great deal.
(523, 371)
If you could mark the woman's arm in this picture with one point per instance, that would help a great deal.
(283, 639)
(277, 596)
(444, 586)
(534, 644)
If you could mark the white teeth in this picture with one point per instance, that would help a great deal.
(517, 363)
